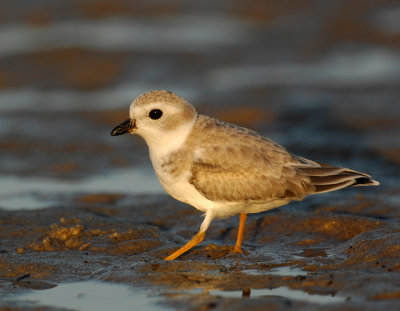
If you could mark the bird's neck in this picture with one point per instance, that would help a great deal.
(162, 145)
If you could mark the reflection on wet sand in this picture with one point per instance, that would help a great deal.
(92, 296)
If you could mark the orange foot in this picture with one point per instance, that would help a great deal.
(237, 250)
(192, 243)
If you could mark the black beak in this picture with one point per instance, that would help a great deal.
(125, 127)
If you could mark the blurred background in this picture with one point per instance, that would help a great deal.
(320, 77)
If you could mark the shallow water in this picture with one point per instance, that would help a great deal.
(189, 33)
(92, 296)
(281, 271)
(284, 292)
(27, 192)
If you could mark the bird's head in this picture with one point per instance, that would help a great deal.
(157, 116)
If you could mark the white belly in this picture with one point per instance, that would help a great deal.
(182, 190)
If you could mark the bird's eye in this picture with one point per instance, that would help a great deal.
(155, 114)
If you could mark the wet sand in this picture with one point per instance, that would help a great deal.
(83, 219)
(342, 251)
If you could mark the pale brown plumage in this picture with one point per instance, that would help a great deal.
(253, 168)
(223, 169)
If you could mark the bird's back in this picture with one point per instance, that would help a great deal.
(232, 163)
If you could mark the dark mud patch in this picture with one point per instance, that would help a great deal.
(123, 239)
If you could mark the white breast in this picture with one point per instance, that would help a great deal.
(177, 186)
(182, 190)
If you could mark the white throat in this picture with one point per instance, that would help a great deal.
(163, 143)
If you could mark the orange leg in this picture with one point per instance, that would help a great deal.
(192, 243)
(242, 222)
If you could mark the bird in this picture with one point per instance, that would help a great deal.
(223, 169)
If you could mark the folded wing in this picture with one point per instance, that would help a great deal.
(256, 169)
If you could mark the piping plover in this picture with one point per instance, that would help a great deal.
(223, 169)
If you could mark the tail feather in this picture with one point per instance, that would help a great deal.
(332, 187)
(318, 170)
(324, 178)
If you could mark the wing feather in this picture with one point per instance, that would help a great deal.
(234, 164)
(253, 169)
